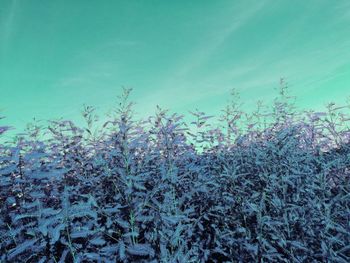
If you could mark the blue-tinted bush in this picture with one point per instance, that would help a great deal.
(264, 187)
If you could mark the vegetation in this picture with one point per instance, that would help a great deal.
(260, 187)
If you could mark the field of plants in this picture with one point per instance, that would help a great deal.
(269, 186)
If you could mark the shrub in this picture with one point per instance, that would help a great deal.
(157, 190)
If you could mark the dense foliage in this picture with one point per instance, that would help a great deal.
(259, 187)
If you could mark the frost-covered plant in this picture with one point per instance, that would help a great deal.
(231, 116)
(261, 187)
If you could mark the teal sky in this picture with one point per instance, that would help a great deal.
(56, 55)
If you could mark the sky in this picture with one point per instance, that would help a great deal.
(57, 55)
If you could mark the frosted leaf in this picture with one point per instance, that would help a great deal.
(20, 248)
(141, 250)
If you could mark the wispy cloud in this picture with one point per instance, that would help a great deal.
(305, 67)
(235, 20)
(342, 9)
(235, 17)
(7, 24)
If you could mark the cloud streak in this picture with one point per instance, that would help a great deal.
(236, 18)
(202, 53)
(7, 25)
(305, 67)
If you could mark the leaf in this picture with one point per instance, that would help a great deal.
(109, 250)
(19, 249)
(5, 181)
(298, 245)
(18, 217)
(131, 234)
(121, 250)
(10, 200)
(82, 209)
(50, 211)
(124, 224)
(9, 169)
(252, 248)
(98, 241)
(35, 155)
(111, 210)
(63, 256)
(92, 201)
(141, 250)
(139, 186)
(344, 249)
(55, 233)
(171, 219)
(91, 256)
(37, 195)
(82, 233)
(144, 219)
(43, 229)
(200, 226)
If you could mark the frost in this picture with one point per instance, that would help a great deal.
(270, 185)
